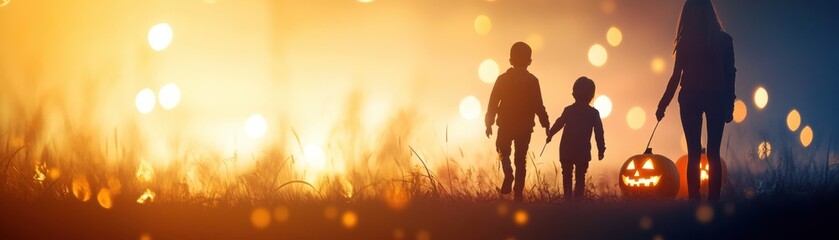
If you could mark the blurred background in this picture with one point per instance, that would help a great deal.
(336, 82)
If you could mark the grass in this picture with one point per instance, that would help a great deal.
(392, 185)
(34, 170)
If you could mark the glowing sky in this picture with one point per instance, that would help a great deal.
(295, 64)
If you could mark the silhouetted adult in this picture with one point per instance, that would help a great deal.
(516, 98)
(705, 70)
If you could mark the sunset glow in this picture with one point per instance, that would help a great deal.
(369, 119)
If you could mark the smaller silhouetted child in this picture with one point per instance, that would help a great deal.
(578, 119)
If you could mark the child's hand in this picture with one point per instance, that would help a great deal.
(489, 131)
(548, 140)
(600, 156)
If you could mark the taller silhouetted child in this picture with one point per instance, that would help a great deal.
(516, 98)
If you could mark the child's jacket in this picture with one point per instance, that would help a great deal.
(578, 120)
(516, 97)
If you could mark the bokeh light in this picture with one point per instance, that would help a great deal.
(536, 41)
(520, 217)
(160, 36)
(704, 213)
(104, 198)
(646, 223)
(256, 126)
(597, 55)
(636, 118)
(658, 65)
(608, 6)
(144, 101)
(488, 71)
(502, 209)
(330, 212)
(81, 188)
(282, 214)
(470, 108)
(423, 235)
(806, 136)
(764, 150)
(614, 36)
(793, 120)
(147, 197)
(398, 234)
(145, 236)
(170, 96)
(349, 219)
(114, 185)
(740, 111)
(761, 97)
(483, 25)
(145, 172)
(604, 105)
(729, 209)
(260, 218)
(365, 1)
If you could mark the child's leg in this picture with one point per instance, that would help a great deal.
(580, 186)
(567, 170)
(502, 145)
(522, 141)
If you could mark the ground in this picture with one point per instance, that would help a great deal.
(770, 217)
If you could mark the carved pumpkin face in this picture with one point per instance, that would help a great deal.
(704, 174)
(649, 175)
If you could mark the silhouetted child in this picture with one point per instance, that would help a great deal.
(579, 119)
(516, 98)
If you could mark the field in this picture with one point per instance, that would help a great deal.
(42, 202)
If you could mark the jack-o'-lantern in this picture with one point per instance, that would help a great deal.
(649, 175)
(704, 169)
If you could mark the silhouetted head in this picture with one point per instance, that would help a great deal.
(583, 90)
(697, 24)
(520, 55)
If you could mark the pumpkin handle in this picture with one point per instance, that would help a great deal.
(649, 150)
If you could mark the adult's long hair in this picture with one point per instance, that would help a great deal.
(697, 26)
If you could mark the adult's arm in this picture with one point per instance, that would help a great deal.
(675, 78)
(730, 70)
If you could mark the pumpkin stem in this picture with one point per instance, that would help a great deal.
(649, 151)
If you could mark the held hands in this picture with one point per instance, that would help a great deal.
(489, 131)
(548, 133)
